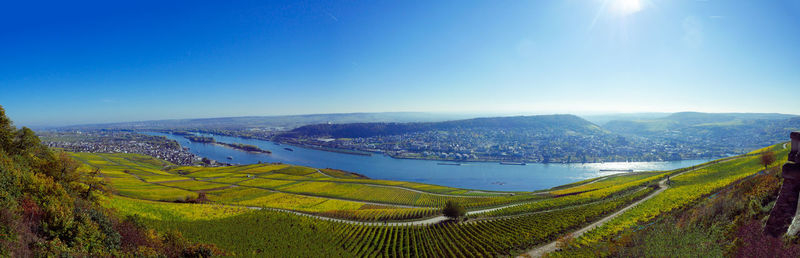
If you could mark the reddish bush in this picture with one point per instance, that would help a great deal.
(18, 238)
(133, 234)
(31, 213)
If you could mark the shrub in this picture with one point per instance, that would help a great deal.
(453, 210)
(767, 158)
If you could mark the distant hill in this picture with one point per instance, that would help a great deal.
(602, 119)
(558, 138)
(280, 122)
(559, 123)
(537, 138)
(683, 120)
(735, 130)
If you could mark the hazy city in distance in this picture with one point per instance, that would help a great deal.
(537, 128)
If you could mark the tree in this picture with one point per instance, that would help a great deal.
(767, 158)
(61, 167)
(453, 210)
(24, 140)
(95, 182)
(6, 130)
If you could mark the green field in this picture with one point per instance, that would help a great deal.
(234, 217)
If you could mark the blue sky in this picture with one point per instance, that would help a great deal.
(109, 61)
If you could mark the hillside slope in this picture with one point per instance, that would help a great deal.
(48, 208)
(721, 220)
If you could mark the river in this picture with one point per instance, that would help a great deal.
(471, 175)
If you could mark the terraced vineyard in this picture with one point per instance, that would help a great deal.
(488, 237)
(684, 189)
(331, 193)
(333, 213)
(598, 190)
(380, 213)
(493, 237)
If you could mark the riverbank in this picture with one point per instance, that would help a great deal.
(502, 161)
(489, 176)
(505, 162)
(401, 155)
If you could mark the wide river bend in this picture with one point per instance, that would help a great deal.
(471, 175)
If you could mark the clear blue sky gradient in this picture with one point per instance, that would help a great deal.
(107, 61)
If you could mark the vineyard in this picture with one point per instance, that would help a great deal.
(685, 189)
(379, 213)
(344, 214)
(287, 187)
(494, 237)
(607, 188)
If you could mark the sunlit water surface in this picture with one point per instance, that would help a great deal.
(472, 175)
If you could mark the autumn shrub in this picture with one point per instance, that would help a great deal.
(453, 210)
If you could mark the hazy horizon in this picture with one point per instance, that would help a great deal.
(458, 115)
(105, 62)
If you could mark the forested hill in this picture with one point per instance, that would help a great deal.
(543, 123)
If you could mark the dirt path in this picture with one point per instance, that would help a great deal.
(323, 173)
(663, 186)
(550, 247)
(427, 221)
(170, 181)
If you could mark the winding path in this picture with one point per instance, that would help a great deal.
(663, 186)
(427, 221)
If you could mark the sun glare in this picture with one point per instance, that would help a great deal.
(626, 7)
